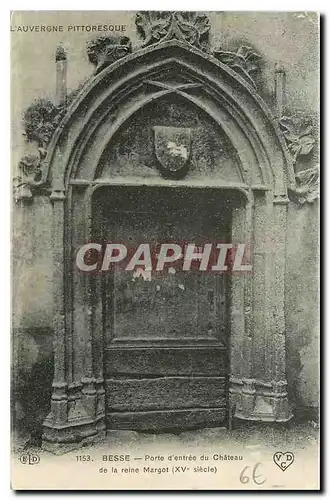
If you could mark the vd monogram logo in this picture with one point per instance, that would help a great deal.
(283, 460)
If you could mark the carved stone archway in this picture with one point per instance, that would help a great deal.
(173, 70)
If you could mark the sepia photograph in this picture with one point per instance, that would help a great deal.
(165, 250)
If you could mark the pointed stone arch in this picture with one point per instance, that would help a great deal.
(220, 87)
(107, 103)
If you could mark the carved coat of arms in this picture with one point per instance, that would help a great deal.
(173, 150)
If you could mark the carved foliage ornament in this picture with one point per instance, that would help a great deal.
(245, 61)
(189, 27)
(40, 121)
(298, 135)
(106, 49)
(300, 140)
(307, 188)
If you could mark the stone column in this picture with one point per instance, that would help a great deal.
(74, 419)
(89, 394)
(279, 393)
(241, 317)
(279, 90)
(258, 380)
(58, 416)
(61, 75)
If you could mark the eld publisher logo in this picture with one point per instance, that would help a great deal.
(29, 459)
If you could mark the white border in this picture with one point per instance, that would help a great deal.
(205, 5)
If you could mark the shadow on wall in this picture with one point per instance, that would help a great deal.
(32, 376)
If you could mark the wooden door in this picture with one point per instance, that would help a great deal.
(166, 348)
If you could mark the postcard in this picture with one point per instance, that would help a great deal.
(165, 250)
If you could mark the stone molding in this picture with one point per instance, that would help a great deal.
(257, 400)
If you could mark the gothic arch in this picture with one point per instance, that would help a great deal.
(121, 89)
(105, 105)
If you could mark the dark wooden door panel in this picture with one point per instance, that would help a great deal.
(172, 304)
(167, 420)
(166, 361)
(165, 393)
(166, 333)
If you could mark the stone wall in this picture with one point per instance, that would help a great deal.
(32, 350)
(302, 306)
(32, 308)
(292, 35)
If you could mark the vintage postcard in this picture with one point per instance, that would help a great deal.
(165, 250)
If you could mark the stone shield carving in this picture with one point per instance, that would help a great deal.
(173, 150)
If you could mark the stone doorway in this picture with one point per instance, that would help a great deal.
(229, 144)
(166, 333)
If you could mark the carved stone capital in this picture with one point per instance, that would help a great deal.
(105, 50)
(190, 27)
(30, 169)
